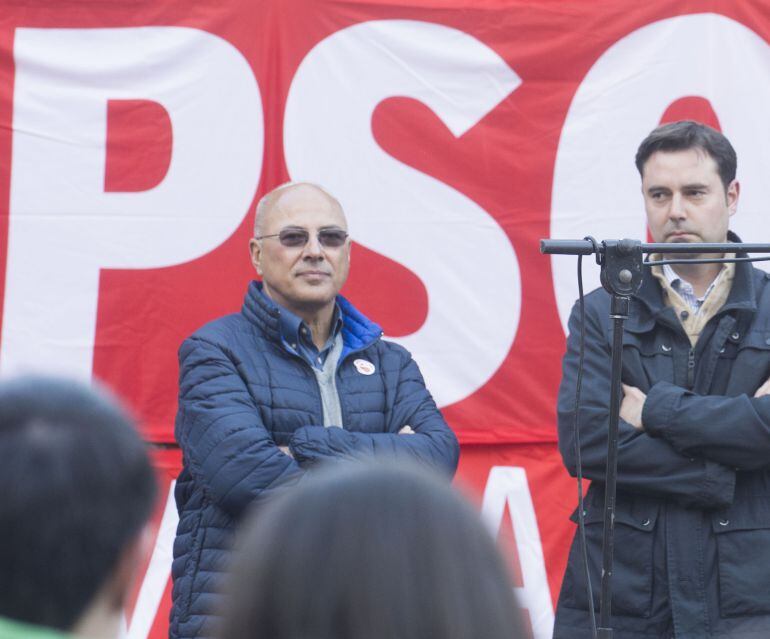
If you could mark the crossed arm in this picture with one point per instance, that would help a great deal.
(231, 451)
(734, 431)
(416, 429)
(646, 465)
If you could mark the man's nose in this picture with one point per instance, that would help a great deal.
(313, 248)
(677, 210)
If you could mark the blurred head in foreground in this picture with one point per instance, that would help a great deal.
(78, 489)
(370, 553)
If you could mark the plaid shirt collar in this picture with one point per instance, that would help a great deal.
(685, 289)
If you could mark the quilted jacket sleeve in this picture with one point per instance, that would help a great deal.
(645, 465)
(219, 428)
(433, 443)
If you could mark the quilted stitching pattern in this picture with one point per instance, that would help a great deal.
(241, 395)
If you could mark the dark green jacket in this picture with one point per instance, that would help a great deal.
(12, 629)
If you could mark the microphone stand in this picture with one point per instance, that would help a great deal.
(621, 275)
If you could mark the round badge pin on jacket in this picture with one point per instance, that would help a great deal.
(364, 367)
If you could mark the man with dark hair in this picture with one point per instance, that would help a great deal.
(692, 527)
(78, 489)
(297, 378)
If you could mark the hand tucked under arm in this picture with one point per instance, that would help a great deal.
(764, 389)
(631, 406)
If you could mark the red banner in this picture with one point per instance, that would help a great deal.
(136, 138)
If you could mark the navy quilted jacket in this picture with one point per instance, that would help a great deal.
(241, 396)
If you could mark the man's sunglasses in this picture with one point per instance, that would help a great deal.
(294, 238)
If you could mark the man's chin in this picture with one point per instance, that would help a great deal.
(685, 238)
(315, 297)
(682, 238)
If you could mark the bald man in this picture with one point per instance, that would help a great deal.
(297, 378)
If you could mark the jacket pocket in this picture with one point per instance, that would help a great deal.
(632, 562)
(648, 358)
(743, 547)
(743, 364)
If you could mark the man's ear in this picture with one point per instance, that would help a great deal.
(255, 250)
(732, 195)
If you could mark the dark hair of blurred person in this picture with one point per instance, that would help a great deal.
(78, 489)
(369, 553)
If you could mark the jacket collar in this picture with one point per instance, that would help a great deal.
(358, 331)
(262, 312)
(652, 308)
